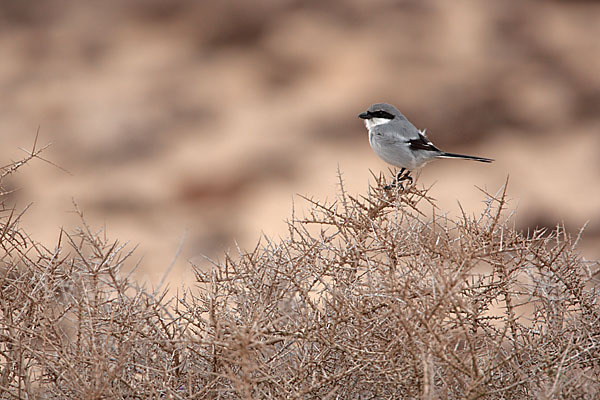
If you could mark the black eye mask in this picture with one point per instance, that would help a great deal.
(381, 114)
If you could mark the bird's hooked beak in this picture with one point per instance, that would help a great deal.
(365, 115)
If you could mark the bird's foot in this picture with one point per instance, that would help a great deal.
(407, 177)
(403, 175)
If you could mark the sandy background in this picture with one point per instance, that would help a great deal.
(207, 118)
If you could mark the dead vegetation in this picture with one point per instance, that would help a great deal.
(367, 298)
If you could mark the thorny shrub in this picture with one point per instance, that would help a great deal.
(381, 296)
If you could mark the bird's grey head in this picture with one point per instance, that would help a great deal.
(380, 113)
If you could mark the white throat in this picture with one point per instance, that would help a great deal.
(370, 123)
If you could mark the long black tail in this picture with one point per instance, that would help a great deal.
(465, 157)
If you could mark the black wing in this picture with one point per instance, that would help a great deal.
(422, 143)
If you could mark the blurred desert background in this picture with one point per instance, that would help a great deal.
(206, 119)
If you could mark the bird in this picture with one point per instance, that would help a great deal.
(399, 143)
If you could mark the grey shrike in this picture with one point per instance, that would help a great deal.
(396, 141)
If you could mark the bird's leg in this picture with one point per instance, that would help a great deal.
(402, 176)
(399, 176)
(405, 177)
